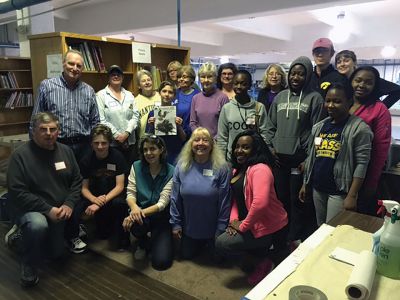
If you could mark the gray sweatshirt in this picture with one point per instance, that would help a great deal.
(354, 154)
(292, 116)
(232, 120)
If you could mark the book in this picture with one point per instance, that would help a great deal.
(165, 120)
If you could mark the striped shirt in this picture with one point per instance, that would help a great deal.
(76, 108)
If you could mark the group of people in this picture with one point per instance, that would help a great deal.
(240, 176)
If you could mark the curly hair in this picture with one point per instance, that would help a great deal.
(222, 67)
(260, 152)
(186, 157)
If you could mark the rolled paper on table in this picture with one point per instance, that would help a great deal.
(361, 279)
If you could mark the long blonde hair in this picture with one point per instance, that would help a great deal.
(186, 157)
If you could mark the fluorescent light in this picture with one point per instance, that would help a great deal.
(224, 59)
(339, 34)
(388, 51)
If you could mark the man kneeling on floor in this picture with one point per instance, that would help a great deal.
(44, 184)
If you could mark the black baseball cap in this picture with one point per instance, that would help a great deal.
(115, 69)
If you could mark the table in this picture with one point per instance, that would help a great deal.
(355, 240)
(364, 222)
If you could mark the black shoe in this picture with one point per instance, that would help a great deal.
(29, 276)
(13, 239)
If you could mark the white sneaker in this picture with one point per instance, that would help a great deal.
(140, 254)
(77, 246)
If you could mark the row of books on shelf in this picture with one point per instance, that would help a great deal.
(92, 56)
(8, 81)
(17, 99)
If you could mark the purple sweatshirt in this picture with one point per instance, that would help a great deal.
(205, 111)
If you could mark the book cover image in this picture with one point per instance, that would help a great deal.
(165, 120)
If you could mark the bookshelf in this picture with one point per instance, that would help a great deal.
(15, 95)
(113, 52)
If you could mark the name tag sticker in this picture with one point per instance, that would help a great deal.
(251, 120)
(207, 172)
(111, 167)
(60, 165)
(318, 141)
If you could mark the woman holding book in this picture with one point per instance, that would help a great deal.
(173, 138)
(118, 111)
(146, 99)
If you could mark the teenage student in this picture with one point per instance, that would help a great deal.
(346, 63)
(366, 105)
(103, 196)
(257, 219)
(173, 142)
(239, 114)
(338, 156)
(289, 123)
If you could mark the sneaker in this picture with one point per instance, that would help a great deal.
(77, 246)
(29, 276)
(262, 270)
(82, 231)
(140, 253)
(13, 239)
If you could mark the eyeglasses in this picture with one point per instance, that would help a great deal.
(115, 75)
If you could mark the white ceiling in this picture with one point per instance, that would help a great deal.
(247, 31)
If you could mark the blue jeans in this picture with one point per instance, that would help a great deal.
(41, 238)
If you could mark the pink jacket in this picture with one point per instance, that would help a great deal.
(379, 120)
(266, 214)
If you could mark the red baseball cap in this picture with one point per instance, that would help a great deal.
(323, 43)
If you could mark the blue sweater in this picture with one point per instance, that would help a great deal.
(183, 109)
(200, 201)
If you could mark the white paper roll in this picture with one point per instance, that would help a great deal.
(361, 279)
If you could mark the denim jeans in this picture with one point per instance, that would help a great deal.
(41, 237)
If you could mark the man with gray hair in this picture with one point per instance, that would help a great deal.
(44, 184)
(73, 102)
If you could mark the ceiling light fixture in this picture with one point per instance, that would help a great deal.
(388, 51)
(341, 31)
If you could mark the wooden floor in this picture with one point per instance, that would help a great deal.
(84, 276)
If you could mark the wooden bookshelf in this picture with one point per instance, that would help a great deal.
(16, 71)
(113, 52)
